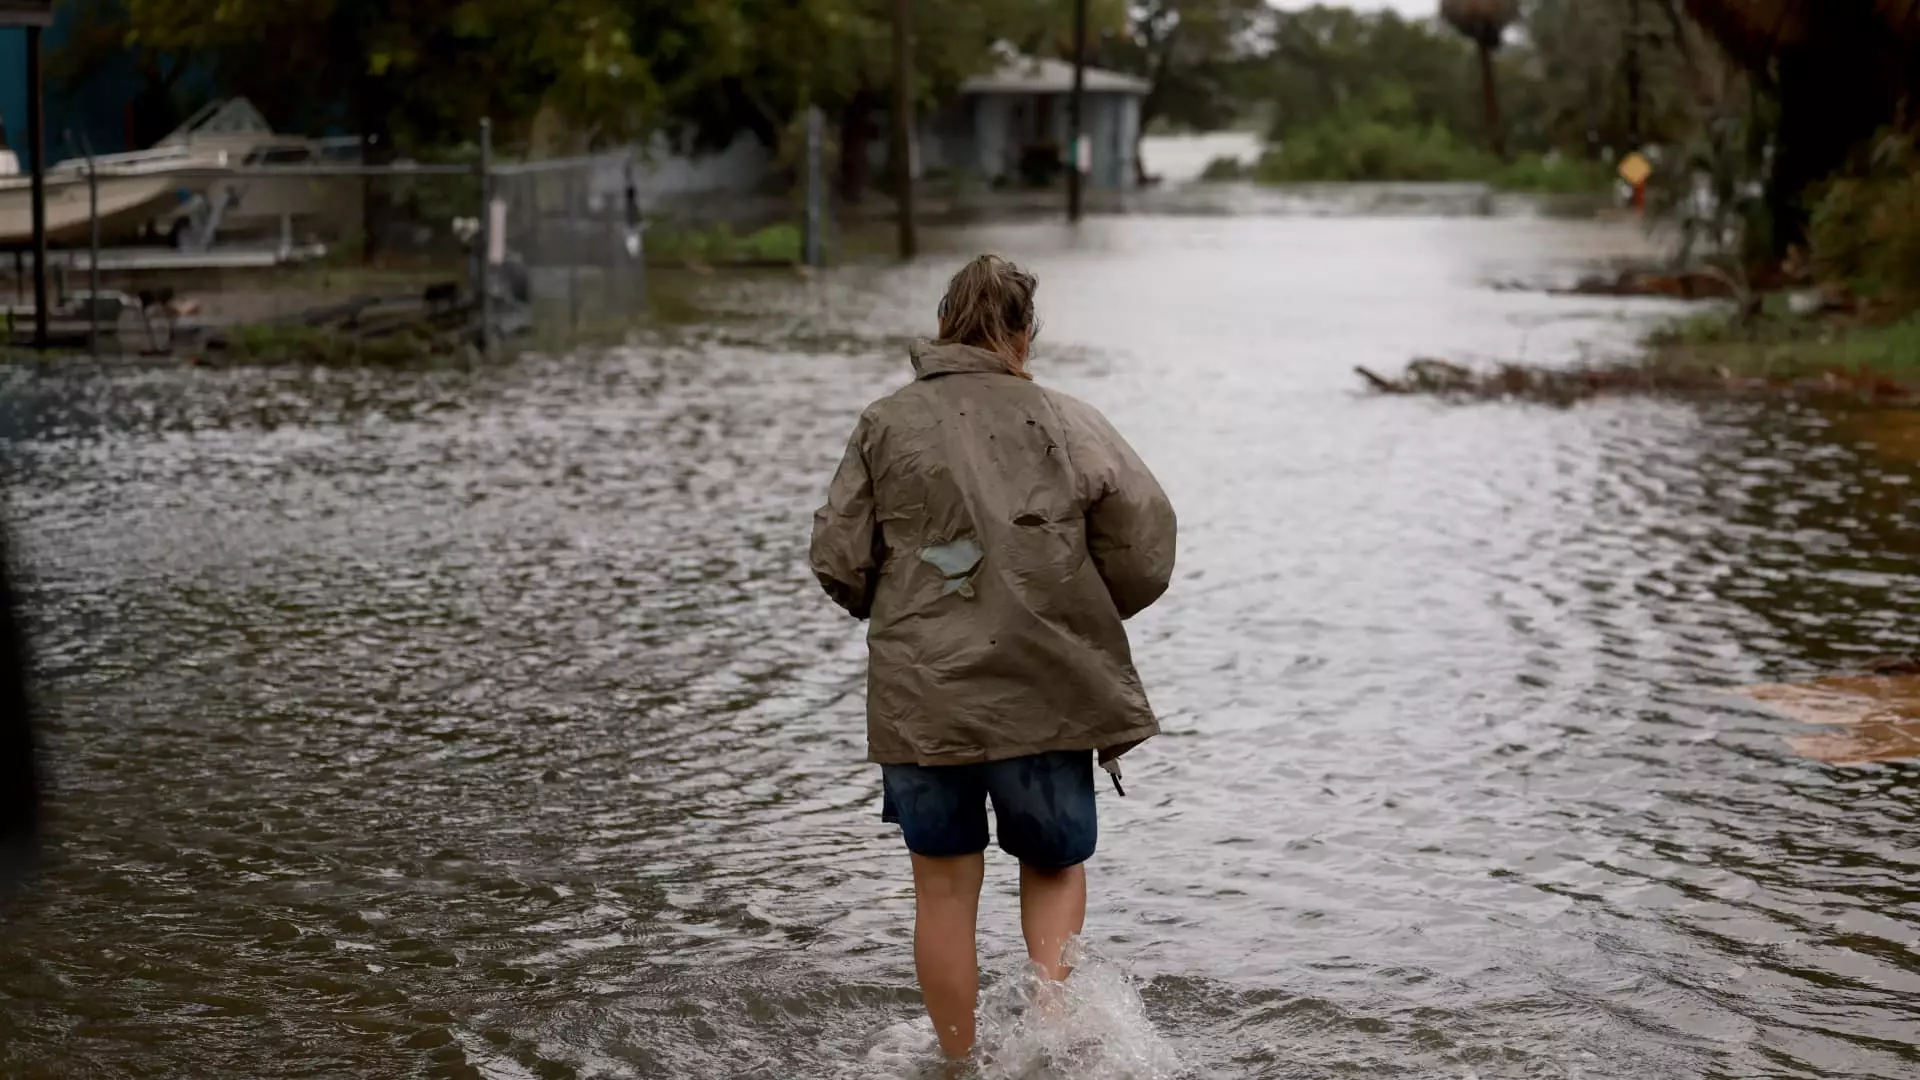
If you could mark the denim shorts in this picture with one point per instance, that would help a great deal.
(1042, 807)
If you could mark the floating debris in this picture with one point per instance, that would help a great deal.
(1702, 284)
(437, 320)
(1564, 386)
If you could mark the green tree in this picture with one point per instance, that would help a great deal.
(97, 43)
(407, 75)
(1197, 57)
(410, 71)
(1337, 65)
(1485, 22)
(1838, 71)
(765, 61)
(1579, 55)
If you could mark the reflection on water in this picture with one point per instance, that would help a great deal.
(458, 724)
(1177, 159)
(1893, 433)
(1878, 716)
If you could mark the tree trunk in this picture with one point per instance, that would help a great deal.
(903, 125)
(1635, 136)
(856, 125)
(1490, 93)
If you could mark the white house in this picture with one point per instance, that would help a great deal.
(1019, 113)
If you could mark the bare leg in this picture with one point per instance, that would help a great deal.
(946, 894)
(1053, 908)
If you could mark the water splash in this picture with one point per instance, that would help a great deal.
(1092, 1027)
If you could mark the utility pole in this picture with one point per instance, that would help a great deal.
(1633, 75)
(816, 187)
(85, 146)
(1076, 111)
(903, 125)
(485, 240)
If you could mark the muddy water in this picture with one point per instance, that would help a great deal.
(438, 724)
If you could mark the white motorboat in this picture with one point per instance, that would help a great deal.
(164, 191)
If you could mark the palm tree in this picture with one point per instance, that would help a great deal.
(1485, 22)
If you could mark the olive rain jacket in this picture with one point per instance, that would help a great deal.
(995, 533)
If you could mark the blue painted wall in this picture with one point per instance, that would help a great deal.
(98, 109)
(13, 88)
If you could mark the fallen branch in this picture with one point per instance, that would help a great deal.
(1443, 378)
(1381, 383)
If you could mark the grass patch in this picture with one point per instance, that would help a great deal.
(271, 344)
(1552, 174)
(1778, 344)
(779, 243)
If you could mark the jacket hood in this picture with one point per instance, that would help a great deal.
(932, 358)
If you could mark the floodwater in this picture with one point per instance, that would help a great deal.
(488, 723)
(1177, 159)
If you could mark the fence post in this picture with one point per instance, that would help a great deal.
(484, 262)
(574, 203)
(85, 146)
(815, 194)
(93, 248)
(37, 144)
(637, 224)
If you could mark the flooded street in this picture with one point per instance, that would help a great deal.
(456, 724)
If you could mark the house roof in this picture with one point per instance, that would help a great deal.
(1045, 75)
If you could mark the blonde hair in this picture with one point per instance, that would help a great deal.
(989, 305)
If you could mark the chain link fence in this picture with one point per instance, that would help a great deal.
(567, 238)
(271, 240)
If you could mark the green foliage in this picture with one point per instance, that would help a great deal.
(1866, 226)
(758, 63)
(415, 70)
(1377, 151)
(1337, 65)
(1562, 84)
(1567, 84)
(1552, 174)
(96, 42)
(1202, 57)
(1372, 150)
(720, 244)
(294, 344)
(1710, 194)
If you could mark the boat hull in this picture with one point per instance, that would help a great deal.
(126, 204)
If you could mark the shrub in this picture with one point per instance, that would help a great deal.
(776, 243)
(1553, 174)
(1376, 150)
(1372, 150)
(1866, 226)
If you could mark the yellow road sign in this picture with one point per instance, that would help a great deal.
(1635, 169)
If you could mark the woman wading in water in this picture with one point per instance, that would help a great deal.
(995, 533)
